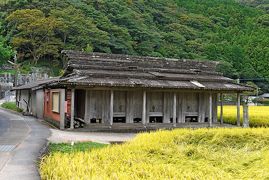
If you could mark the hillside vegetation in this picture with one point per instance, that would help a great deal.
(231, 31)
(178, 154)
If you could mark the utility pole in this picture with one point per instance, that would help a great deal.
(16, 68)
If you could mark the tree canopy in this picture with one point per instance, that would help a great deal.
(234, 32)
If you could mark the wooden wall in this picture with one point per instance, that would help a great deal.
(130, 103)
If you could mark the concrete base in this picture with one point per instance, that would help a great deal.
(139, 127)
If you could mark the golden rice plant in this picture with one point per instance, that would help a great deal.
(179, 154)
(258, 115)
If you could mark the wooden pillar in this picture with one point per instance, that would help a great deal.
(167, 107)
(238, 109)
(221, 108)
(130, 107)
(111, 107)
(200, 101)
(175, 109)
(86, 107)
(183, 108)
(245, 113)
(210, 110)
(62, 109)
(144, 110)
(72, 108)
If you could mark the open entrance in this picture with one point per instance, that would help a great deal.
(155, 107)
(80, 96)
(119, 107)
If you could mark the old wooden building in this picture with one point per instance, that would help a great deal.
(112, 90)
(30, 97)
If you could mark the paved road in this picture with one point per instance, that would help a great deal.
(21, 139)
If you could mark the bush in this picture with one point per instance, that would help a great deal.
(179, 154)
(12, 106)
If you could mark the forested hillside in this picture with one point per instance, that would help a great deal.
(235, 32)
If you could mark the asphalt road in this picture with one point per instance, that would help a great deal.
(21, 139)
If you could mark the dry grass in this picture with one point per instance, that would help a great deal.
(179, 154)
(258, 115)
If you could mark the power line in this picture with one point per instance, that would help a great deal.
(255, 79)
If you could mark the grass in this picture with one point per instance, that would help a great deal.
(7, 71)
(258, 115)
(179, 154)
(11, 106)
(77, 147)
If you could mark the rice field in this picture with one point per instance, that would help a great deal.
(258, 115)
(179, 154)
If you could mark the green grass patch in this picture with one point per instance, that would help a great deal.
(11, 106)
(7, 71)
(77, 147)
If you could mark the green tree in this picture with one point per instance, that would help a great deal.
(5, 51)
(35, 33)
(79, 31)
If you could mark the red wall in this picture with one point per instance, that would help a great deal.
(68, 99)
(48, 113)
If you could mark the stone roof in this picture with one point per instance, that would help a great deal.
(113, 70)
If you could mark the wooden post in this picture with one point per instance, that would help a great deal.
(238, 109)
(210, 110)
(86, 107)
(72, 108)
(175, 110)
(183, 108)
(144, 110)
(62, 109)
(245, 113)
(111, 107)
(221, 108)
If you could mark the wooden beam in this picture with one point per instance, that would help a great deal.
(72, 108)
(111, 107)
(175, 109)
(129, 107)
(62, 108)
(245, 113)
(238, 109)
(144, 110)
(210, 110)
(221, 108)
(183, 108)
(86, 106)
(200, 107)
(167, 107)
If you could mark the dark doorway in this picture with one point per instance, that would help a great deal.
(191, 119)
(137, 120)
(156, 119)
(119, 119)
(80, 98)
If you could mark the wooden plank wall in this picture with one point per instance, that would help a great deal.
(158, 104)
